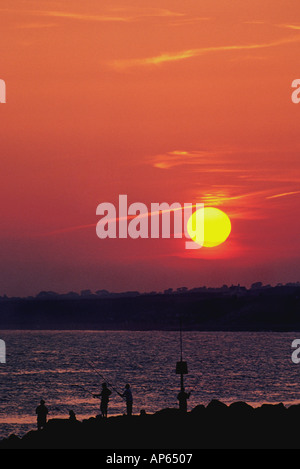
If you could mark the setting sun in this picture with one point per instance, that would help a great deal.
(217, 226)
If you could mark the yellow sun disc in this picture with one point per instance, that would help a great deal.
(217, 226)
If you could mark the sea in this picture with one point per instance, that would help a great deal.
(65, 368)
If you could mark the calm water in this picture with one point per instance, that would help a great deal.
(253, 367)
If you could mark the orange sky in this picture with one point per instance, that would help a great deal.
(180, 101)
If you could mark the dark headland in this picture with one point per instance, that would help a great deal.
(228, 308)
(216, 426)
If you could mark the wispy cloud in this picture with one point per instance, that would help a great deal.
(189, 53)
(108, 17)
(284, 194)
(191, 20)
(208, 160)
(289, 26)
(148, 12)
(294, 27)
(219, 198)
(229, 177)
(150, 213)
(178, 158)
(83, 17)
(254, 22)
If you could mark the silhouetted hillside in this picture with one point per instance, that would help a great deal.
(228, 309)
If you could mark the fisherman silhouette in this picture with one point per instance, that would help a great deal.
(104, 395)
(128, 396)
(182, 398)
(72, 416)
(41, 412)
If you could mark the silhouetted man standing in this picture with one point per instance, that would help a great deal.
(42, 413)
(104, 395)
(128, 396)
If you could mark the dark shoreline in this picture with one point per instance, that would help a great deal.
(233, 309)
(216, 426)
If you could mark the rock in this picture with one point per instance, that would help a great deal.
(216, 426)
(294, 409)
(217, 406)
(198, 410)
(271, 409)
(167, 413)
(240, 408)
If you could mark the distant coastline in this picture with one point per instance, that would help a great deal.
(234, 308)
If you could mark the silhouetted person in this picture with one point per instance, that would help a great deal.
(41, 412)
(104, 395)
(72, 416)
(182, 398)
(128, 396)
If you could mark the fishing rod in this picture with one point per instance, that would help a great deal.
(84, 389)
(101, 376)
(56, 408)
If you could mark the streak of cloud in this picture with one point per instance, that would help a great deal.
(185, 21)
(161, 13)
(289, 26)
(190, 53)
(284, 194)
(84, 17)
(178, 158)
(218, 198)
(117, 219)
